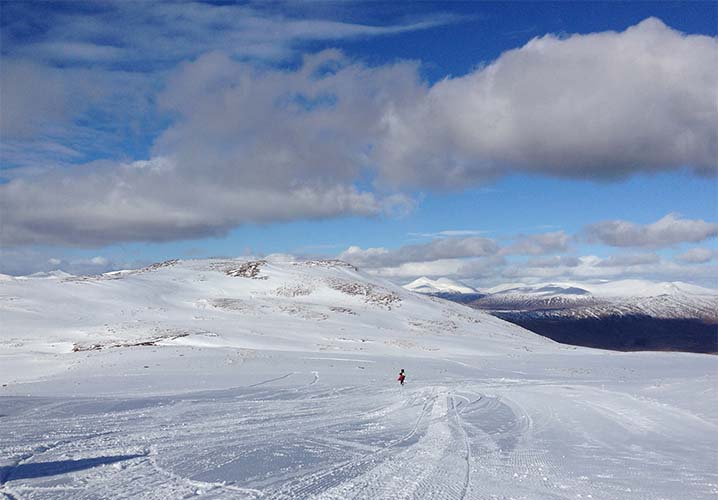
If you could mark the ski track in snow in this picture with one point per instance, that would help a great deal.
(308, 441)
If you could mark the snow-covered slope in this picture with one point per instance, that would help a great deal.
(673, 300)
(307, 306)
(618, 298)
(441, 285)
(618, 288)
(277, 380)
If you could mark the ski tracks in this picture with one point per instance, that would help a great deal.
(435, 466)
(315, 485)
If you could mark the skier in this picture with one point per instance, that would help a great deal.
(401, 377)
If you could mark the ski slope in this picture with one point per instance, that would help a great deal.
(277, 380)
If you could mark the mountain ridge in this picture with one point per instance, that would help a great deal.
(621, 315)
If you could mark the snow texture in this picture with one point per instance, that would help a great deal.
(273, 380)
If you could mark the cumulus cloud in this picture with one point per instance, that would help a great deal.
(603, 105)
(248, 145)
(696, 256)
(667, 231)
(493, 268)
(539, 244)
(555, 261)
(591, 267)
(275, 126)
(80, 85)
(436, 250)
(628, 260)
(246, 142)
(408, 270)
(131, 204)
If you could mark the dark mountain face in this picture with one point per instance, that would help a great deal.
(623, 333)
(662, 323)
(461, 298)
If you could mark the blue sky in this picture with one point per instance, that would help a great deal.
(488, 142)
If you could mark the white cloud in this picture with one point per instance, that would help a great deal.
(31, 95)
(590, 267)
(252, 143)
(602, 105)
(628, 260)
(539, 244)
(55, 117)
(554, 261)
(444, 249)
(491, 270)
(696, 256)
(451, 233)
(248, 145)
(99, 261)
(667, 231)
(436, 268)
(124, 203)
(158, 34)
(84, 84)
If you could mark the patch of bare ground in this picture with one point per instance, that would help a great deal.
(296, 290)
(249, 269)
(239, 305)
(138, 343)
(372, 294)
(326, 263)
(343, 310)
(303, 312)
(434, 327)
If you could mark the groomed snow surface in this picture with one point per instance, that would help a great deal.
(278, 380)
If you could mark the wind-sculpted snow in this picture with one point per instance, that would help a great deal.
(188, 381)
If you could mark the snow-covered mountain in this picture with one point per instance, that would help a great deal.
(669, 300)
(621, 315)
(235, 379)
(618, 288)
(441, 285)
(595, 300)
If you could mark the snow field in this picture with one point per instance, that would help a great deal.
(183, 381)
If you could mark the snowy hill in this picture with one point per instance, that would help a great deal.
(441, 285)
(251, 379)
(308, 306)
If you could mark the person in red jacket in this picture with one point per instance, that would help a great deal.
(401, 377)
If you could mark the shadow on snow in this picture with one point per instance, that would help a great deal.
(42, 469)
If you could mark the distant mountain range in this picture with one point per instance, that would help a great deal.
(621, 315)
